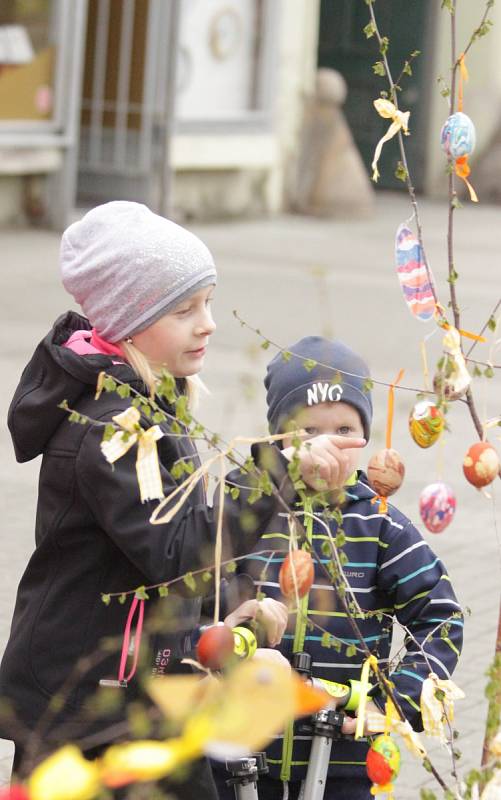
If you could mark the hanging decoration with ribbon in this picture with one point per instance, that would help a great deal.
(437, 705)
(458, 136)
(386, 470)
(399, 122)
(453, 379)
(416, 279)
(147, 466)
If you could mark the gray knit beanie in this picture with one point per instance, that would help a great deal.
(319, 371)
(127, 267)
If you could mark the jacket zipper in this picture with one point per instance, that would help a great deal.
(299, 637)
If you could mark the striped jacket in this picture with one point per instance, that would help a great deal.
(393, 572)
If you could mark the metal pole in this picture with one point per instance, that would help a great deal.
(168, 122)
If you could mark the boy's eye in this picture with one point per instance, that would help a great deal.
(344, 430)
(311, 431)
(181, 311)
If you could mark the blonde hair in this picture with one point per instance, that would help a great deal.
(151, 374)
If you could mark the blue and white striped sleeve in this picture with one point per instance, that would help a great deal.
(425, 604)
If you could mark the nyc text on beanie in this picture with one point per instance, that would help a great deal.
(290, 386)
(127, 267)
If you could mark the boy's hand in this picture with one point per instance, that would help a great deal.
(350, 723)
(271, 614)
(267, 654)
(323, 461)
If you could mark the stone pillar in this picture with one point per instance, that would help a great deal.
(330, 177)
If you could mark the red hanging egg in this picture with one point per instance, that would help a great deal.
(481, 464)
(383, 760)
(385, 472)
(298, 564)
(215, 646)
(437, 506)
(14, 792)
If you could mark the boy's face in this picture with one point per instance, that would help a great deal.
(338, 419)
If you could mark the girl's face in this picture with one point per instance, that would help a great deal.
(178, 340)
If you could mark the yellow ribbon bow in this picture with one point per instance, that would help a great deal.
(147, 466)
(437, 705)
(460, 378)
(400, 121)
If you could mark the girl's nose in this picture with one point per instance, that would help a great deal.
(207, 324)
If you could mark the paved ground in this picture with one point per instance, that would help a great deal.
(289, 277)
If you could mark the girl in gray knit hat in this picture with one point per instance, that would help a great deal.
(145, 285)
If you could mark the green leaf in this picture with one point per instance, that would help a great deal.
(106, 599)
(351, 651)
(206, 576)
(175, 428)
(163, 591)
(122, 598)
(231, 567)
(379, 68)
(492, 324)
(383, 47)
(407, 70)
(234, 492)
(109, 385)
(309, 364)
(370, 29)
(189, 581)
(265, 344)
(109, 432)
(477, 372)
(286, 355)
(489, 372)
(166, 387)
(401, 173)
(141, 593)
(455, 202)
(182, 411)
(123, 390)
(453, 276)
(158, 417)
(326, 640)
(254, 496)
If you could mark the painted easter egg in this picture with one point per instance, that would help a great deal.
(416, 281)
(446, 388)
(383, 760)
(481, 464)
(426, 423)
(298, 564)
(215, 646)
(458, 137)
(385, 472)
(437, 506)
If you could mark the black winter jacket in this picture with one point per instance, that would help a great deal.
(93, 536)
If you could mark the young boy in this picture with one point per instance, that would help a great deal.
(391, 569)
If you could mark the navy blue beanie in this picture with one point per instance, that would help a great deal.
(325, 371)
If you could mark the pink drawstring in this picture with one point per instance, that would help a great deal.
(126, 640)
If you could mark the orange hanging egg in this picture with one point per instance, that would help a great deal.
(298, 566)
(481, 464)
(385, 472)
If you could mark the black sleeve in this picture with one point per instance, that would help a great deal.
(164, 552)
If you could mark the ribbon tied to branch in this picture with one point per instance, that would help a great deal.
(400, 122)
(147, 466)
